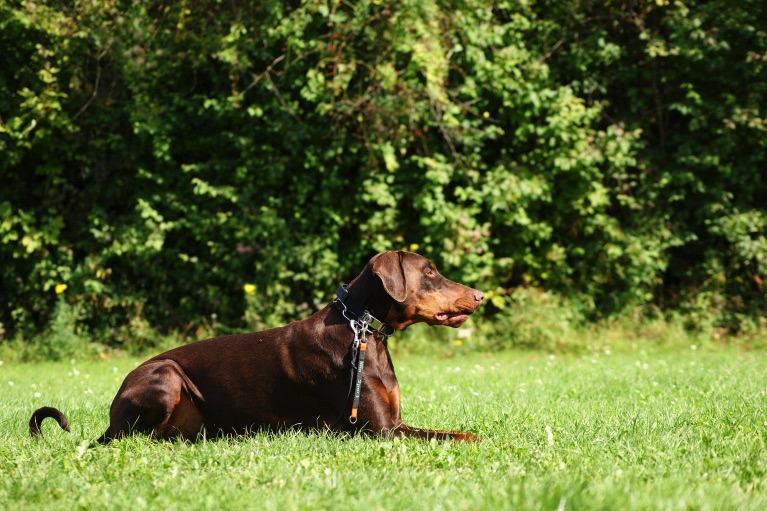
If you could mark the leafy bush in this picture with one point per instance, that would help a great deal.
(199, 167)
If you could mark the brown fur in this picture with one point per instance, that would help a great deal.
(292, 376)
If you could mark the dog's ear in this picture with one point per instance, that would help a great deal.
(388, 267)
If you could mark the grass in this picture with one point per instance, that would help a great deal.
(657, 428)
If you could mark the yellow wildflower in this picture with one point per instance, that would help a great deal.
(250, 289)
(60, 288)
(414, 247)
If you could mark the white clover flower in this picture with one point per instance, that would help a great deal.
(549, 436)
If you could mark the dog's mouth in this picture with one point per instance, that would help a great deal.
(450, 319)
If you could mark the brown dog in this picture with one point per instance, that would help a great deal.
(331, 370)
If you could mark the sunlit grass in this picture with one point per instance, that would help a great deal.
(656, 429)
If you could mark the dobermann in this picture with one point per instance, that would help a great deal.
(332, 370)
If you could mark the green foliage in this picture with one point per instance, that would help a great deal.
(159, 158)
(63, 338)
(687, 76)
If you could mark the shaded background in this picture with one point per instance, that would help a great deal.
(198, 167)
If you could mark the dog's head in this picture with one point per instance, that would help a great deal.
(419, 294)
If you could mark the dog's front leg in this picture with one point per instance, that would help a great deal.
(382, 416)
(428, 434)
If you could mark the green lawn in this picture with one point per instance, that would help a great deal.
(672, 428)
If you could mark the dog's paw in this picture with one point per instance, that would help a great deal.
(466, 437)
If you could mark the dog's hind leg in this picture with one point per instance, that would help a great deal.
(157, 399)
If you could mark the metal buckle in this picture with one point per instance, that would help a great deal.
(368, 323)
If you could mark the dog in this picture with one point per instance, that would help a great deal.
(329, 371)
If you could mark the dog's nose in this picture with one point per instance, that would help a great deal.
(478, 296)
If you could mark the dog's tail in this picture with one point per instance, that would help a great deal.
(44, 413)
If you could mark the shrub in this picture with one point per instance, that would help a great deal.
(159, 158)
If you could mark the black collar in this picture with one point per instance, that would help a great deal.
(358, 313)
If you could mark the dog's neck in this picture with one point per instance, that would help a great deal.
(366, 294)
